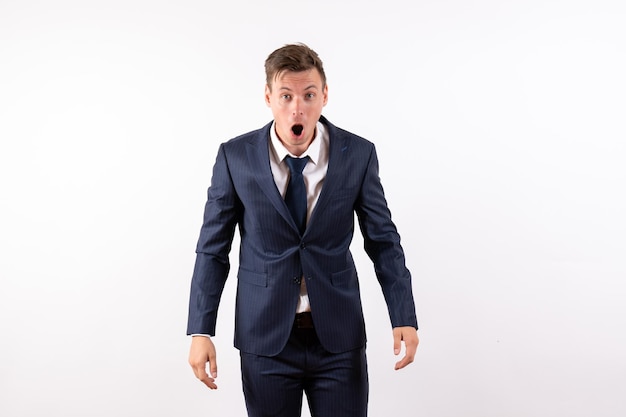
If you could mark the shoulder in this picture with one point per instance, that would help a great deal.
(346, 138)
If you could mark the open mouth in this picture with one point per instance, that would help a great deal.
(297, 129)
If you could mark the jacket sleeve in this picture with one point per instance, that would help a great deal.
(382, 245)
(212, 265)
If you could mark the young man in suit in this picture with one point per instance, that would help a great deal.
(292, 188)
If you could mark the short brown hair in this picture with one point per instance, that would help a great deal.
(295, 57)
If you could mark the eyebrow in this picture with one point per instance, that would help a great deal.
(312, 86)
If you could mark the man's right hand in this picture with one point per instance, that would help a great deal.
(203, 351)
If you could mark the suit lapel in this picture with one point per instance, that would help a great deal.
(337, 150)
(259, 162)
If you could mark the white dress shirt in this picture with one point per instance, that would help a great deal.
(314, 174)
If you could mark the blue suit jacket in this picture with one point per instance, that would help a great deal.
(273, 254)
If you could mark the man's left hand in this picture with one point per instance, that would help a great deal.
(408, 335)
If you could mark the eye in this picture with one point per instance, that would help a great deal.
(310, 96)
(285, 96)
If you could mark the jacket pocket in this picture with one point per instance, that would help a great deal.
(344, 278)
(253, 278)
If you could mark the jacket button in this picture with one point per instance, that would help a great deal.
(296, 280)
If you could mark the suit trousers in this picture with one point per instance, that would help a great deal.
(335, 384)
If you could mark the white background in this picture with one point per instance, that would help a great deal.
(501, 136)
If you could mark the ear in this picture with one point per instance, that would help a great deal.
(325, 94)
(268, 94)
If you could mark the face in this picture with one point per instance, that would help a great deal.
(296, 100)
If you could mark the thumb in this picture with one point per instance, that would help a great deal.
(213, 365)
(397, 339)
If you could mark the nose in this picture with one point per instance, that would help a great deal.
(296, 108)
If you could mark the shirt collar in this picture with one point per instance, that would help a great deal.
(313, 151)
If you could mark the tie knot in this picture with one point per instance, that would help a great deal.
(296, 165)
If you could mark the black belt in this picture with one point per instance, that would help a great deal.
(303, 321)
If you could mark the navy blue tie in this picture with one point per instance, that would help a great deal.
(295, 197)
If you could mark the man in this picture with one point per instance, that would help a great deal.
(292, 188)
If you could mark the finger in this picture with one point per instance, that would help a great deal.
(213, 365)
(209, 382)
(200, 372)
(410, 347)
(408, 358)
(397, 342)
(404, 362)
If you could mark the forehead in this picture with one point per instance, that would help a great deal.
(298, 80)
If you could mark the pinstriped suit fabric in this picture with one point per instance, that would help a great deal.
(273, 253)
